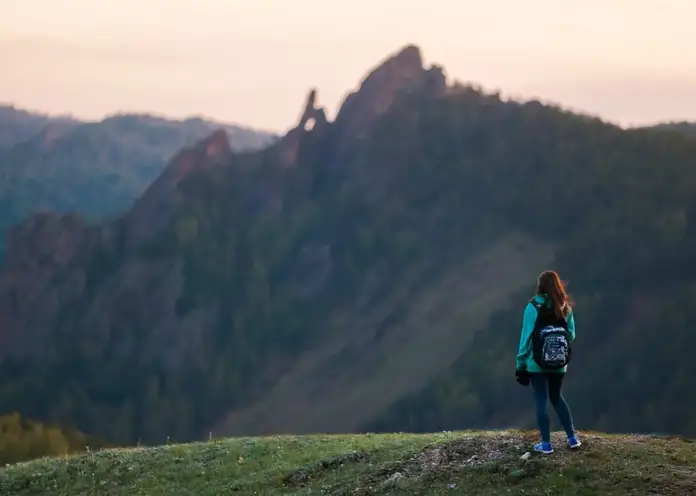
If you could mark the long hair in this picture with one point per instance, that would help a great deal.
(550, 284)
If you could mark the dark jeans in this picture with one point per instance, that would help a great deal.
(547, 387)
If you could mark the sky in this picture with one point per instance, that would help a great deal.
(253, 61)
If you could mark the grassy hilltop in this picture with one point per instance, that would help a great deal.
(444, 463)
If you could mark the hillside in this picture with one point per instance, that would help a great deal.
(482, 463)
(94, 168)
(365, 273)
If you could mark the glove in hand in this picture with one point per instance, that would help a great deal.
(522, 377)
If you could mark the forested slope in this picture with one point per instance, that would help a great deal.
(386, 255)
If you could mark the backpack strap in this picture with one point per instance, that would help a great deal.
(543, 307)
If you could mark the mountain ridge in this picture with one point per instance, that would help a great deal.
(12, 116)
(96, 168)
(395, 240)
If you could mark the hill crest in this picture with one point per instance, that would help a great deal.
(445, 463)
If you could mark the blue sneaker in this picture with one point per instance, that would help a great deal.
(574, 442)
(542, 447)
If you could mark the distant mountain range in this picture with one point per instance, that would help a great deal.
(98, 169)
(17, 125)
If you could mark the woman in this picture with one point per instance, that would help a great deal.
(551, 297)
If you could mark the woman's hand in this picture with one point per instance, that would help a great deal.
(522, 377)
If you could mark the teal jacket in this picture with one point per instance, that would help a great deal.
(524, 352)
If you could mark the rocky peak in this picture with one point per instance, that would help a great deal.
(401, 72)
(152, 211)
(312, 114)
(313, 120)
(398, 71)
(209, 152)
(217, 145)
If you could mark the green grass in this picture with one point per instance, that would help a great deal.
(479, 463)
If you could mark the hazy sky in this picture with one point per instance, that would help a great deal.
(252, 61)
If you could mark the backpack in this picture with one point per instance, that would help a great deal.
(550, 338)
